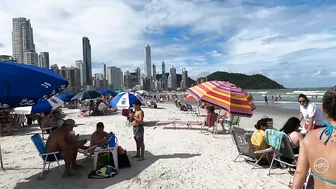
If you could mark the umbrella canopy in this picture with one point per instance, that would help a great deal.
(107, 92)
(225, 95)
(66, 97)
(189, 98)
(91, 94)
(124, 100)
(46, 106)
(26, 85)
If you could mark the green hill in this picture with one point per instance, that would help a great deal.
(256, 81)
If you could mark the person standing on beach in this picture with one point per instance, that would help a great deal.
(266, 100)
(138, 130)
(311, 113)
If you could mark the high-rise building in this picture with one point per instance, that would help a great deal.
(55, 68)
(138, 76)
(104, 71)
(147, 67)
(82, 71)
(87, 60)
(154, 72)
(69, 74)
(127, 80)
(163, 78)
(23, 42)
(43, 60)
(31, 58)
(114, 77)
(184, 81)
(172, 81)
(99, 81)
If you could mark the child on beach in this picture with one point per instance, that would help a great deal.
(258, 137)
(138, 130)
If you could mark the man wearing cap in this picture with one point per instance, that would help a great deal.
(61, 140)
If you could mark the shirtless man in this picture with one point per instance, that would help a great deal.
(99, 137)
(138, 130)
(225, 119)
(60, 140)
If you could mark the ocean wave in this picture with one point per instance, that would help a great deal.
(281, 102)
(309, 93)
(258, 92)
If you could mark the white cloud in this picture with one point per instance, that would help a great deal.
(282, 42)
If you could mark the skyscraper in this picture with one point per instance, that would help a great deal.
(172, 82)
(23, 42)
(154, 72)
(87, 60)
(82, 71)
(43, 60)
(104, 71)
(138, 76)
(163, 78)
(114, 77)
(184, 82)
(147, 67)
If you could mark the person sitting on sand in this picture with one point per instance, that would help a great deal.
(61, 140)
(225, 118)
(291, 128)
(99, 137)
(311, 113)
(138, 130)
(211, 116)
(258, 137)
(318, 150)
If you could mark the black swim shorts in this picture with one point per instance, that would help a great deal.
(138, 131)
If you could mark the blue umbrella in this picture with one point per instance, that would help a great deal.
(107, 92)
(26, 85)
(123, 100)
(46, 106)
(91, 94)
(66, 97)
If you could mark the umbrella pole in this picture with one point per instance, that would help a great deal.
(199, 112)
(1, 158)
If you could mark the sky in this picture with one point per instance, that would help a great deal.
(290, 41)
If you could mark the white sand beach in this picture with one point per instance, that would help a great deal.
(175, 158)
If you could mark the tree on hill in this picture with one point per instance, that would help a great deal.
(256, 81)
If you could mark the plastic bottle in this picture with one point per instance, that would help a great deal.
(112, 140)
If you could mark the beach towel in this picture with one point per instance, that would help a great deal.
(274, 138)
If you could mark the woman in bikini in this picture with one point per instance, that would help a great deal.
(291, 128)
(318, 150)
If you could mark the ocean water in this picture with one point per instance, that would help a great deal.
(289, 97)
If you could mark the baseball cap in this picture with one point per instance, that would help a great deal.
(70, 122)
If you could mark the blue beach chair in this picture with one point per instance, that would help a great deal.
(47, 158)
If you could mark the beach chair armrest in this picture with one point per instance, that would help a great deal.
(46, 128)
(263, 151)
(50, 153)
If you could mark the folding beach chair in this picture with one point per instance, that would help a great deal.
(211, 122)
(285, 151)
(244, 146)
(47, 158)
(234, 123)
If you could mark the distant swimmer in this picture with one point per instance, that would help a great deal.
(266, 100)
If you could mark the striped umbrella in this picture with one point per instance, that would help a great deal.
(225, 95)
(189, 97)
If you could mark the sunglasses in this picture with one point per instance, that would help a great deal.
(302, 101)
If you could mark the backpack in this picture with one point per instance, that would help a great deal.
(123, 160)
(104, 172)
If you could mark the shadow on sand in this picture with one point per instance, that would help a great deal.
(150, 123)
(80, 180)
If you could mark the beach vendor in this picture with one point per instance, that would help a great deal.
(311, 113)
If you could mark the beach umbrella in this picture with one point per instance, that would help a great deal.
(46, 106)
(189, 98)
(90, 94)
(66, 97)
(107, 92)
(124, 100)
(26, 85)
(224, 95)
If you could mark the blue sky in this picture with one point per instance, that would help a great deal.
(290, 41)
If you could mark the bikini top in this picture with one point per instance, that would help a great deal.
(328, 130)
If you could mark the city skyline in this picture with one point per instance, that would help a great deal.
(234, 36)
